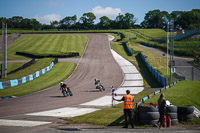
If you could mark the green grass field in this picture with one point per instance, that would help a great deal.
(114, 116)
(151, 33)
(38, 65)
(58, 73)
(49, 44)
(108, 117)
(13, 66)
(180, 95)
(52, 44)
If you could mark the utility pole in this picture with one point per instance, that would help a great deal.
(167, 45)
(171, 27)
(4, 51)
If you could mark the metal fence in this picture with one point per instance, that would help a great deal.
(187, 73)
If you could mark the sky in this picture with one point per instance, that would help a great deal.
(51, 10)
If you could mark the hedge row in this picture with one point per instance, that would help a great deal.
(70, 54)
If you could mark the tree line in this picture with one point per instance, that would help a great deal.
(153, 19)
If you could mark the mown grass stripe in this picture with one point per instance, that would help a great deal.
(39, 43)
(46, 44)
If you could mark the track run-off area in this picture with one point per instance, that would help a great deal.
(98, 61)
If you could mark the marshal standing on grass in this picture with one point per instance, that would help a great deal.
(128, 108)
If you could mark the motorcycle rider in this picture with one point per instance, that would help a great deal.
(98, 84)
(63, 86)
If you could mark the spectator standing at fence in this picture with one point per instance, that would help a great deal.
(128, 108)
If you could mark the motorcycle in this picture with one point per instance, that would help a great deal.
(66, 92)
(99, 85)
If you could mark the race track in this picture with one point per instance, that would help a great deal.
(97, 62)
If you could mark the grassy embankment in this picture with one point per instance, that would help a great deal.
(114, 116)
(187, 47)
(180, 95)
(39, 44)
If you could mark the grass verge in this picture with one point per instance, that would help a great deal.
(182, 94)
(48, 44)
(38, 65)
(108, 116)
(58, 73)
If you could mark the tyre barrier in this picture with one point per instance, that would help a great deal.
(171, 111)
(185, 113)
(148, 115)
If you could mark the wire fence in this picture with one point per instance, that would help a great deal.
(187, 73)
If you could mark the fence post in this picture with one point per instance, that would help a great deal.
(192, 73)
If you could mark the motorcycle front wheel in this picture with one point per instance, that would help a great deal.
(65, 94)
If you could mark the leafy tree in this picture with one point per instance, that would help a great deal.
(126, 21)
(175, 15)
(105, 23)
(34, 24)
(68, 22)
(87, 20)
(2, 19)
(17, 21)
(156, 19)
(54, 24)
(190, 20)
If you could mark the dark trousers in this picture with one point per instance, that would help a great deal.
(128, 113)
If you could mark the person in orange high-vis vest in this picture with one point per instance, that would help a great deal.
(128, 108)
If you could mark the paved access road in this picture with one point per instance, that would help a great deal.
(183, 65)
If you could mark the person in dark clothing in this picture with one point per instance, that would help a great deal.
(128, 108)
(162, 107)
(62, 86)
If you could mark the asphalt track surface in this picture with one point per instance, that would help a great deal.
(97, 62)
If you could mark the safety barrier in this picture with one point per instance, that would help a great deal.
(16, 82)
(186, 34)
(128, 51)
(154, 93)
(158, 77)
(179, 37)
(146, 44)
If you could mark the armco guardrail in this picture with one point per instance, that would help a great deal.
(16, 82)
(153, 94)
(128, 51)
(158, 77)
(146, 44)
(179, 37)
(186, 34)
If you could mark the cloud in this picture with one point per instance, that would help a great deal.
(107, 11)
(46, 19)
